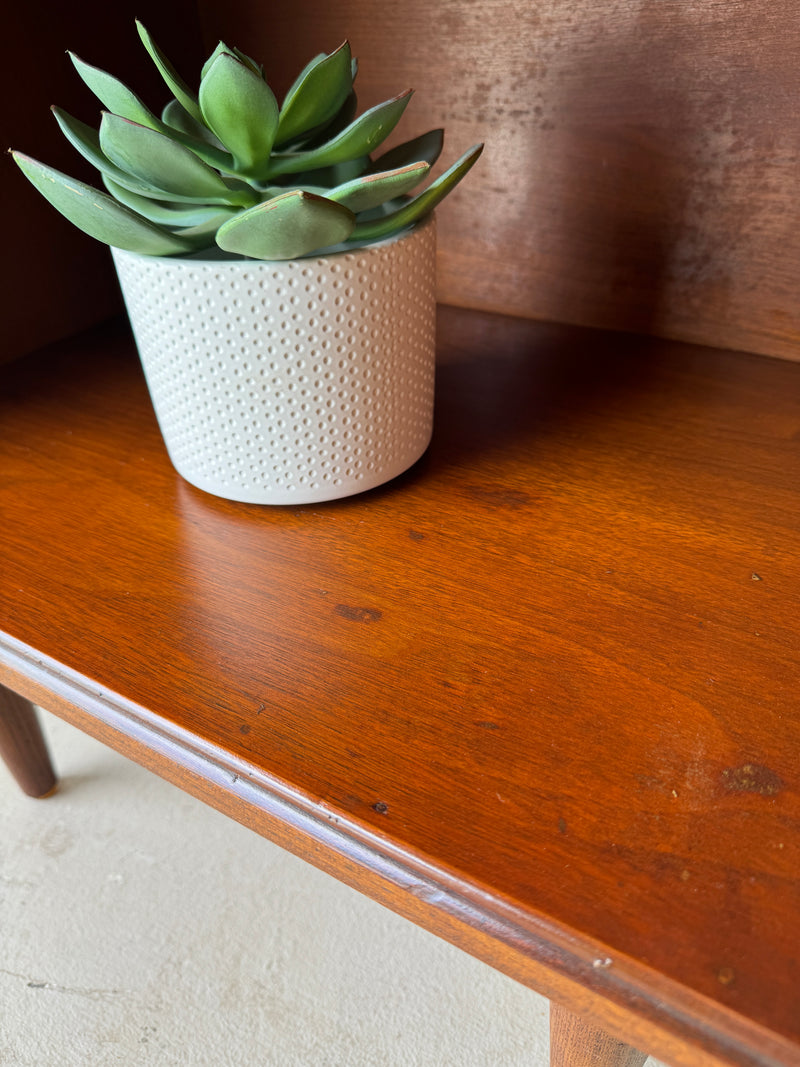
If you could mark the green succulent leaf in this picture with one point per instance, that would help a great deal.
(177, 86)
(241, 110)
(299, 79)
(317, 190)
(421, 205)
(256, 68)
(370, 190)
(171, 214)
(327, 177)
(162, 163)
(358, 139)
(317, 96)
(291, 225)
(114, 95)
(320, 135)
(99, 215)
(271, 182)
(119, 100)
(221, 50)
(179, 125)
(427, 147)
(87, 141)
(203, 235)
(178, 119)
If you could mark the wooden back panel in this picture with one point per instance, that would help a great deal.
(641, 168)
(60, 281)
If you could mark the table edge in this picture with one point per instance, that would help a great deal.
(578, 968)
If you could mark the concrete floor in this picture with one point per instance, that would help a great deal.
(138, 926)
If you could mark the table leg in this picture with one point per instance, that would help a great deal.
(575, 1043)
(22, 745)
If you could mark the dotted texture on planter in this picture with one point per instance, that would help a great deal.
(289, 382)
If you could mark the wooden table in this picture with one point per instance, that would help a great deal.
(539, 695)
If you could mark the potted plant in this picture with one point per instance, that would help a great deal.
(278, 276)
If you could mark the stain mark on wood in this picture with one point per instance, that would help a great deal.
(499, 496)
(726, 976)
(354, 614)
(562, 825)
(380, 807)
(486, 725)
(752, 778)
(244, 728)
(416, 535)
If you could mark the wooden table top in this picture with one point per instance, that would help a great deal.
(540, 694)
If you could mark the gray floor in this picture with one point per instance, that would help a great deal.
(138, 926)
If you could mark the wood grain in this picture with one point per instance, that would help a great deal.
(641, 162)
(573, 1043)
(538, 694)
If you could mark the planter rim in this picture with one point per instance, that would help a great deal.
(217, 257)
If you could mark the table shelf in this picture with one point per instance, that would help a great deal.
(539, 694)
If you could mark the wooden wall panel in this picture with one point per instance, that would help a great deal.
(642, 160)
(641, 169)
(60, 281)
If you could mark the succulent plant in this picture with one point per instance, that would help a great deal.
(229, 166)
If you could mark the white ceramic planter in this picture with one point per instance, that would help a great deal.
(289, 382)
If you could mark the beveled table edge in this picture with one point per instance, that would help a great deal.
(679, 1024)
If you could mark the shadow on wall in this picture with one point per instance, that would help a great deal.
(616, 148)
(62, 280)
